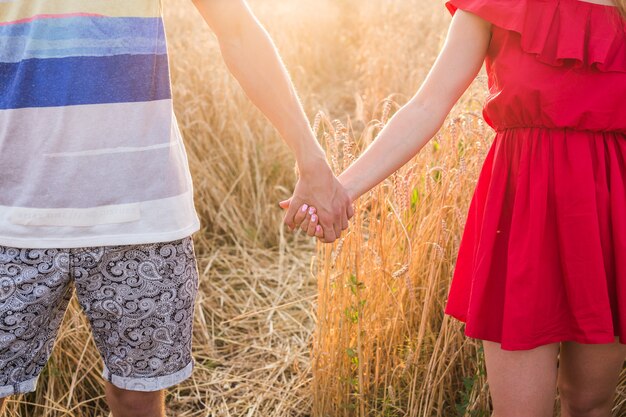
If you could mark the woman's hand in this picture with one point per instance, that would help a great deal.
(307, 220)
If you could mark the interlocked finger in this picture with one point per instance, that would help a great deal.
(313, 224)
(319, 232)
(300, 215)
(304, 226)
(337, 228)
(329, 233)
(345, 222)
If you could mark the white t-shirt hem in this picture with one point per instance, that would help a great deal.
(111, 240)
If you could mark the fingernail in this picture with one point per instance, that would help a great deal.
(311, 210)
(314, 218)
(304, 207)
(318, 228)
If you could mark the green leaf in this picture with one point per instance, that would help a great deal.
(415, 198)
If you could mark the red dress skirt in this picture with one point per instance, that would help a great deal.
(543, 254)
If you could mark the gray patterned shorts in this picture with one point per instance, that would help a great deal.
(139, 300)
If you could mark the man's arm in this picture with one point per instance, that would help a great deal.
(254, 61)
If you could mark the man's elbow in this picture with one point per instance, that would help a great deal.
(228, 19)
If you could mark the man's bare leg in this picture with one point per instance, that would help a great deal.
(124, 403)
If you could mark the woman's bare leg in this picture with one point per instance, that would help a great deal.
(587, 378)
(522, 383)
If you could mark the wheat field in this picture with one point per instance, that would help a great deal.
(285, 327)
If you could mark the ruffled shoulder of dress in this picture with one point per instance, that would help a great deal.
(559, 32)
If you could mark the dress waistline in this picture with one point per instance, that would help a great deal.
(553, 128)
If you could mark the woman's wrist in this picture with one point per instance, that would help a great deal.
(351, 186)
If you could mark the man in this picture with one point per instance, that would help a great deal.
(96, 189)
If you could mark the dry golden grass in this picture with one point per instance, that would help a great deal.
(382, 346)
(282, 328)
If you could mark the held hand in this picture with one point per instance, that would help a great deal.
(332, 206)
(306, 219)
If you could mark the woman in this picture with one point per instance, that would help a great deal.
(540, 268)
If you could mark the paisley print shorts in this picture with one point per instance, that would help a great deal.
(139, 300)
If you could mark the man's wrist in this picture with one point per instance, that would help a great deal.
(304, 144)
(313, 163)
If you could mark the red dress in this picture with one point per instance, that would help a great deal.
(543, 254)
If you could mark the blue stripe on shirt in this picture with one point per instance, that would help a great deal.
(81, 36)
(21, 48)
(93, 27)
(84, 80)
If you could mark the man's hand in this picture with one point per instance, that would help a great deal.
(319, 198)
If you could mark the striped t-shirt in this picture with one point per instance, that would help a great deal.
(90, 151)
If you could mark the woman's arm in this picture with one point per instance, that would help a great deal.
(419, 120)
(254, 61)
